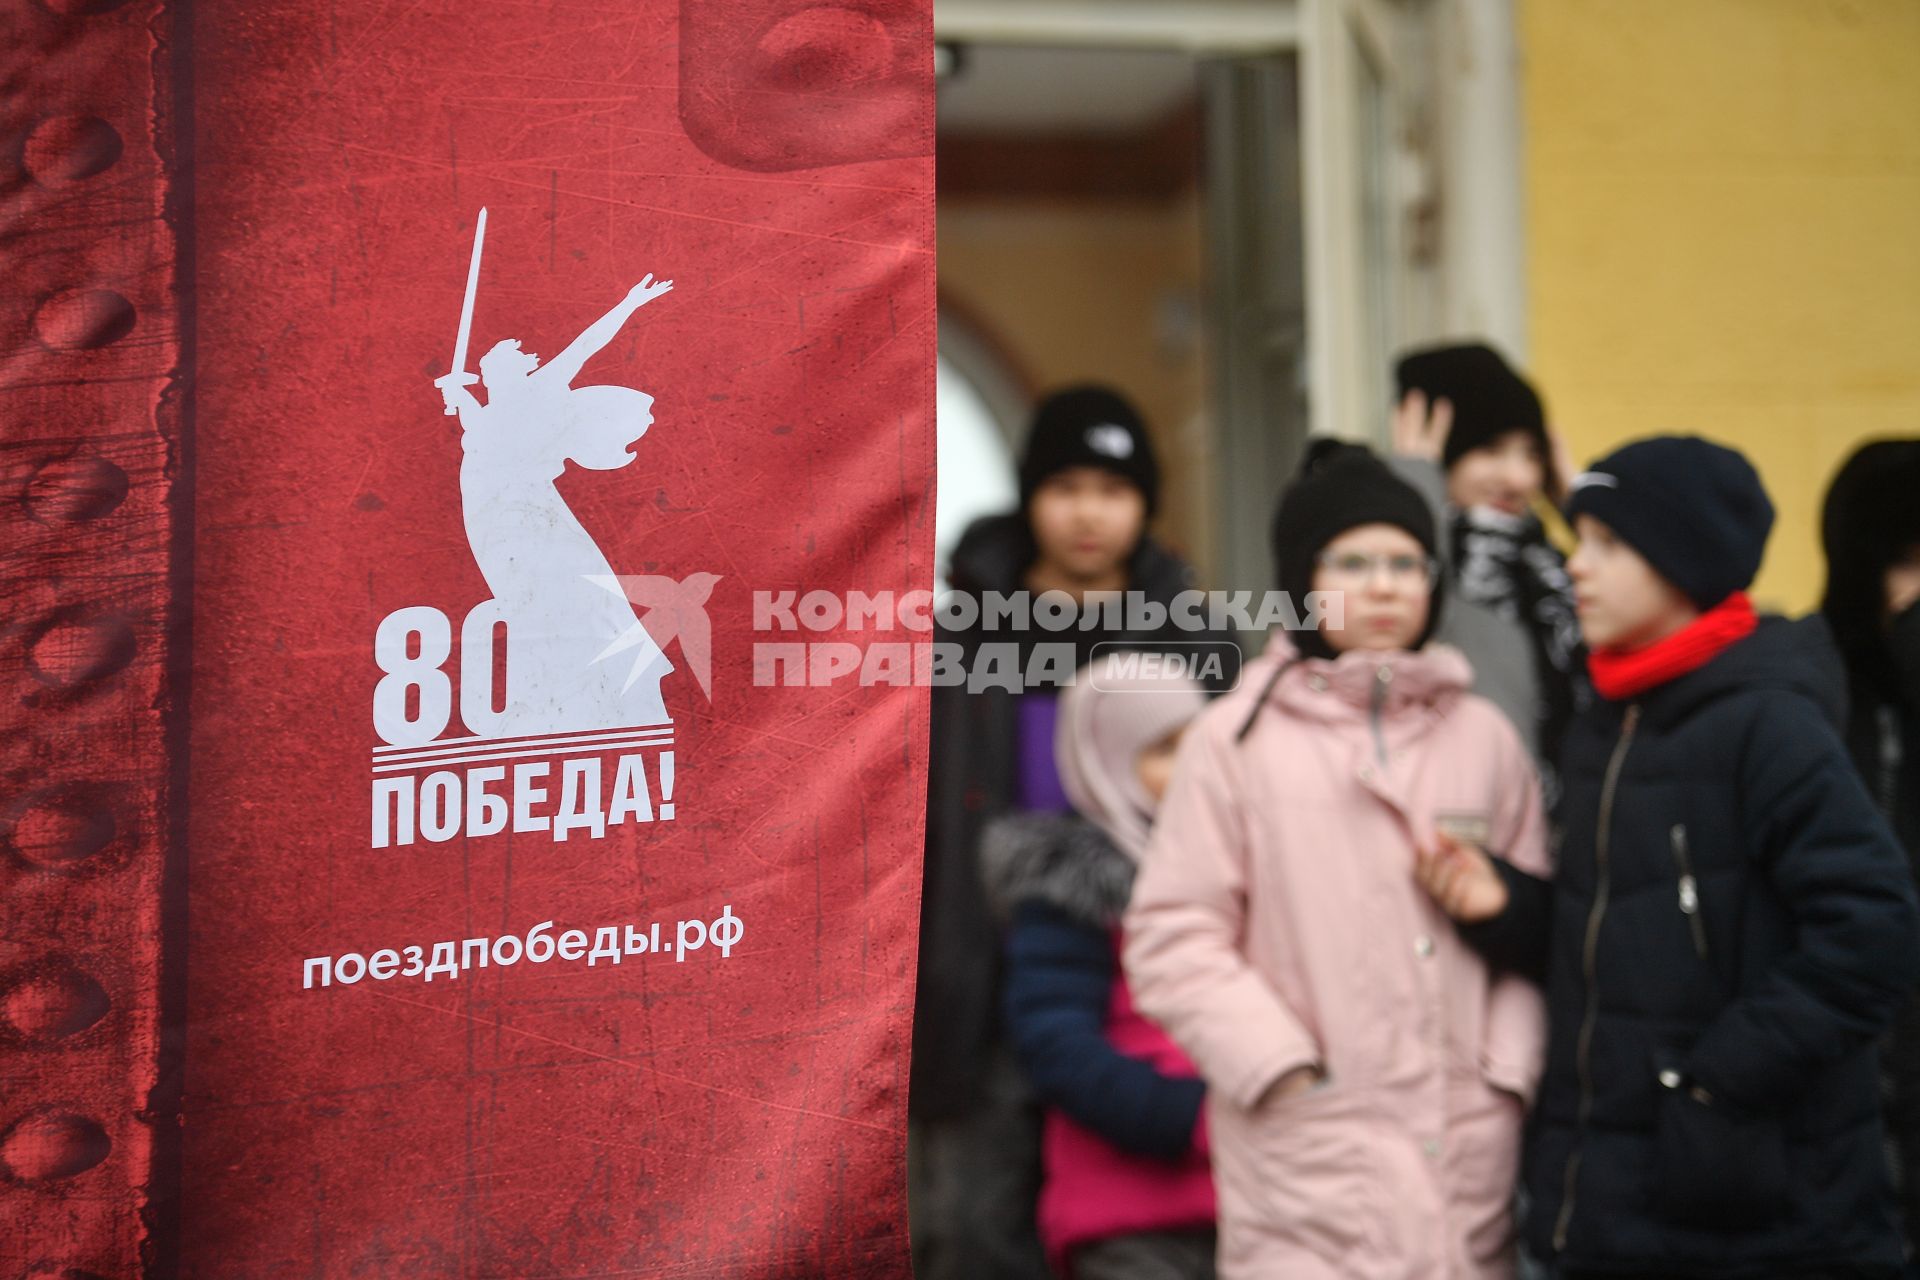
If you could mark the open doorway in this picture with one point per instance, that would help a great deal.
(1124, 204)
(1234, 210)
(1071, 232)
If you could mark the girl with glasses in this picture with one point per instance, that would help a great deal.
(1367, 1073)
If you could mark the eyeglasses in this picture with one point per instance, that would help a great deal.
(1355, 566)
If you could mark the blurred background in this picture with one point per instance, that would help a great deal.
(1674, 215)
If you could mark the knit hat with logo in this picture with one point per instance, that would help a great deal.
(1089, 426)
(1694, 510)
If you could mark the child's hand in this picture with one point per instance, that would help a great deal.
(1461, 879)
(1563, 468)
(1420, 430)
(1295, 1082)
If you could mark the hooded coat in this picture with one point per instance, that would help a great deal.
(1870, 521)
(972, 779)
(1276, 924)
(1730, 929)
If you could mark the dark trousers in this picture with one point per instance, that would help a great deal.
(1156, 1255)
(972, 1183)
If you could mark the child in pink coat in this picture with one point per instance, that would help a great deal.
(1367, 1074)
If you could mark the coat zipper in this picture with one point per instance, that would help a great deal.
(1689, 890)
(1382, 677)
(1589, 957)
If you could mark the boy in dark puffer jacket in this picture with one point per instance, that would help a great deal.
(1731, 927)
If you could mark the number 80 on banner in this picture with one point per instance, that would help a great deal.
(410, 647)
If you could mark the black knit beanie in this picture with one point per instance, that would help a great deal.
(1489, 399)
(1694, 510)
(1089, 426)
(1340, 487)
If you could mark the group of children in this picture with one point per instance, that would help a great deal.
(1309, 982)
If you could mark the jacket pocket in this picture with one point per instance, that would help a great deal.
(1299, 1170)
(1688, 888)
(1715, 1167)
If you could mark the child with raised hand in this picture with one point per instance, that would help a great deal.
(1126, 1190)
(1470, 434)
(1366, 1070)
(1731, 925)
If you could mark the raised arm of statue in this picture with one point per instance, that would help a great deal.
(598, 334)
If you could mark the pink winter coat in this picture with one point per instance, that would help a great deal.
(1276, 924)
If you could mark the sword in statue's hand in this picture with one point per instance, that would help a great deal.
(459, 375)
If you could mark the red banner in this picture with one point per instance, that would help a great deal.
(414, 864)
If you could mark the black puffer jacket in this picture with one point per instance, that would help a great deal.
(972, 768)
(1731, 927)
(1883, 734)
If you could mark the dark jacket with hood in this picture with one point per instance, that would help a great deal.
(972, 776)
(1730, 929)
(1871, 520)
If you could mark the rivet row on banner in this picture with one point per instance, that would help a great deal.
(90, 453)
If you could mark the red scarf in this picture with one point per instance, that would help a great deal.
(1626, 673)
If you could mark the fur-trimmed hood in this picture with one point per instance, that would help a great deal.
(1060, 859)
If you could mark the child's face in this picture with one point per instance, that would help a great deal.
(1903, 583)
(1086, 521)
(1622, 602)
(1506, 474)
(1385, 580)
(1154, 766)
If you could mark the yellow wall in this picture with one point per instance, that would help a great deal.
(1074, 290)
(1724, 234)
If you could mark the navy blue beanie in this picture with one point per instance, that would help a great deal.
(1694, 510)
